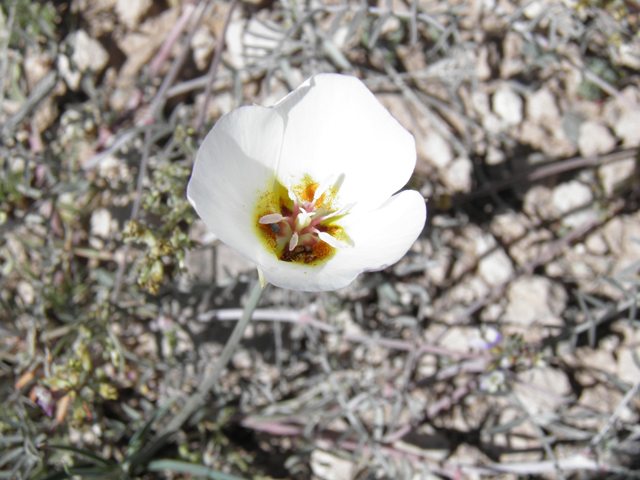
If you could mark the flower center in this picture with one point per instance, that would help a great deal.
(298, 223)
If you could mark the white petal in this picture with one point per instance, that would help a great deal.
(380, 237)
(235, 163)
(334, 125)
(383, 236)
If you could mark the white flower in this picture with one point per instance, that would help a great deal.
(304, 189)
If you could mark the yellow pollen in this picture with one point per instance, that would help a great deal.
(276, 237)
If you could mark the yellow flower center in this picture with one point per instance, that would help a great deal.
(297, 223)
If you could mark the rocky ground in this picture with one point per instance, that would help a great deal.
(503, 345)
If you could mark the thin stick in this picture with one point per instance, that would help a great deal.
(175, 32)
(302, 318)
(198, 399)
(4, 53)
(176, 66)
(607, 426)
(211, 75)
(134, 214)
(541, 435)
(39, 93)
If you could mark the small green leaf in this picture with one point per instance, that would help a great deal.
(89, 455)
(192, 468)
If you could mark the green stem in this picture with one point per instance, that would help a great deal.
(198, 399)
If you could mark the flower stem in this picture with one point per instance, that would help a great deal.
(198, 399)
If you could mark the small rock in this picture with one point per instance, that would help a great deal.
(202, 44)
(535, 299)
(493, 124)
(391, 24)
(542, 108)
(533, 9)
(615, 107)
(613, 232)
(326, 466)
(458, 175)
(483, 70)
(507, 104)
(537, 202)
(26, 292)
(512, 61)
(494, 266)
(101, 222)
(595, 139)
(629, 55)
(412, 58)
(626, 368)
(88, 53)
(628, 128)
(437, 150)
(613, 175)
(71, 77)
(142, 44)
(543, 390)
(599, 398)
(480, 101)
(494, 156)
(44, 117)
(533, 134)
(242, 360)
(630, 241)
(130, 12)
(438, 273)
(596, 245)
(36, 66)
(598, 359)
(578, 264)
(12, 106)
(509, 226)
(465, 291)
(569, 201)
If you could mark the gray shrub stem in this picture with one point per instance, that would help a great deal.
(198, 399)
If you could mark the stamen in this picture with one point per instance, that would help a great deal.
(271, 218)
(332, 241)
(287, 183)
(292, 196)
(294, 241)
